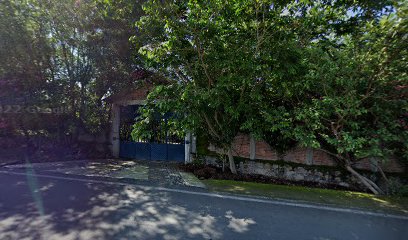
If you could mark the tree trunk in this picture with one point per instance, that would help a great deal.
(383, 175)
(231, 161)
(369, 184)
(375, 186)
(365, 181)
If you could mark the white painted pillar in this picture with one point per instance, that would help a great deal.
(193, 144)
(252, 148)
(115, 140)
(309, 156)
(374, 164)
(187, 148)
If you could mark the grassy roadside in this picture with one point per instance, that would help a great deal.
(348, 199)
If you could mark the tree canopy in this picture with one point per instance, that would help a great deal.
(65, 54)
(326, 74)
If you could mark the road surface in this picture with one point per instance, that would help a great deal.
(36, 206)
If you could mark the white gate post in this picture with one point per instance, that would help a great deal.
(187, 148)
(115, 130)
(193, 143)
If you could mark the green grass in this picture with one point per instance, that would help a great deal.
(338, 198)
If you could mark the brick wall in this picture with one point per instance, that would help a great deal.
(308, 156)
(265, 152)
(139, 93)
(392, 165)
(241, 145)
(322, 158)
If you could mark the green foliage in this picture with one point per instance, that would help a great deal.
(396, 187)
(329, 75)
(67, 54)
(219, 57)
(403, 192)
(360, 110)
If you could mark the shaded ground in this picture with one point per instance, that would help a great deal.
(48, 208)
(167, 174)
(42, 149)
(346, 199)
(146, 172)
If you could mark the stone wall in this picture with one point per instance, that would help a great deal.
(297, 172)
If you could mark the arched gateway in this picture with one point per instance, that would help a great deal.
(161, 146)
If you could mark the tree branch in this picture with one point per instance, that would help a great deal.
(200, 55)
(211, 128)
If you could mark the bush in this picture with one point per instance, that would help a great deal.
(395, 187)
(206, 172)
(403, 191)
(198, 160)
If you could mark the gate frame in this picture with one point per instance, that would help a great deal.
(189, 139)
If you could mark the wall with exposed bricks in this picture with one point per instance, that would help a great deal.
(308, 156)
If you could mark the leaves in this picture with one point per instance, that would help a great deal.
(319, 74)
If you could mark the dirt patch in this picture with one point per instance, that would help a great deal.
(212, 172)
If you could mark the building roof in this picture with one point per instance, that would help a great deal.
(138, 93)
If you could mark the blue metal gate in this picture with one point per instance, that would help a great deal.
(152, 151)
(160, 147)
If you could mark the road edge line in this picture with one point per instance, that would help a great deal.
(223, 196)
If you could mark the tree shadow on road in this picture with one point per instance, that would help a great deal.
(101, 211)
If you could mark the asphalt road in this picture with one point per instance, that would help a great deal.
(41, 207)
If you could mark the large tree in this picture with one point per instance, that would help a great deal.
(360, 109)
(314, 73)
(213, 52)
(68, 54)
(24, 52)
